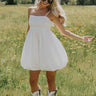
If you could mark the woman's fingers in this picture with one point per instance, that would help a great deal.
(91, 39)
(88, 38)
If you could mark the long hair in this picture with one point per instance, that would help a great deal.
(56, 9)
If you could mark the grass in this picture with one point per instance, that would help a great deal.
(78, 78)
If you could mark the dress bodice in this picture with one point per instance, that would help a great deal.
(40, 22)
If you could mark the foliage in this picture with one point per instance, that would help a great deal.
(25, 1)
(72, 2)
(86, 2)
(11, 2)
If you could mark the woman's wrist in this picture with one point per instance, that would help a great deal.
(82, 38)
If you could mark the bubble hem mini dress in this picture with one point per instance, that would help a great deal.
(42, 50)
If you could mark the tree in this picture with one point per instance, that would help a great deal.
(33, 1)
(92, 2)
(66, 1)
(80, 2)
(11, 2)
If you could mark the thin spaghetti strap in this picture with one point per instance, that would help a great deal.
(47, 13)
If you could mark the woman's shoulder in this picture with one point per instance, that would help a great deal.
(52, 16)
(31, 7)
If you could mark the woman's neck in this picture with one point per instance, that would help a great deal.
(40, 8)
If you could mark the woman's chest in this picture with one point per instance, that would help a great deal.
(39, 21)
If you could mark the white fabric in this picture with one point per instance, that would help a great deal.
(42, 49)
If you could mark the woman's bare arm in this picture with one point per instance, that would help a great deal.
(61, 28)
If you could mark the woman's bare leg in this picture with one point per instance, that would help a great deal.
(51, 80)
(33, 79)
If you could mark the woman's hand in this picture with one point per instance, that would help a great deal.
(88, 38)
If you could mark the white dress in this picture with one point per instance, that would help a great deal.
(42, 50)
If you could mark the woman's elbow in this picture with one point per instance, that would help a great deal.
(63, 33)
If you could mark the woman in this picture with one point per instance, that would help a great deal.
(42, 50)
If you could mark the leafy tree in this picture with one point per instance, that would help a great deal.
(33, 1)
(11, 2)
(80, 2)
(93, 2)
(86, 2)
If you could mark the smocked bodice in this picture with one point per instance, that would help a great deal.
(39, 22)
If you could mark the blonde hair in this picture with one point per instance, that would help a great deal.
(57, 10)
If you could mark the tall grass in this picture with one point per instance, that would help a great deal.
(78, 78)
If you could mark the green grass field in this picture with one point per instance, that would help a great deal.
(78, 78)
